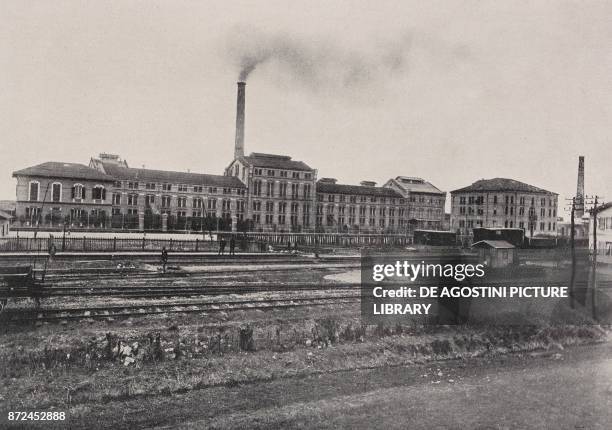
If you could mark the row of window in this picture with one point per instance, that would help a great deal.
(342, 198)
(509, 200)
(258, 171)
(181, 202)
(154, 186)
(281, 191)
(53, 193)
(508, 210)
(361, 221)
(543, 226)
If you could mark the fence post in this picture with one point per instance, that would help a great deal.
(143, 243)
(196, 246)
(84, 243)
(170, 244)
(115, 243)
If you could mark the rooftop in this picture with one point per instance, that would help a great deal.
(273, 161)
(57, 169)
(5, 215)
(333, 188)
(119, 172)
(497, 244)
(416, 185)
(501, 184)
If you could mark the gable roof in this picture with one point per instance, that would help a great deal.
(273, 161)
(5, 215)
(415, 185)
(331, 188)
(57, 169)
(497, 244)
(150, 175)
(502, 184)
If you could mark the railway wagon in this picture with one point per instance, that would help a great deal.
(17, 281)
(435, 237)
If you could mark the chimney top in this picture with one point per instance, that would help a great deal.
(367, 183)
(328, 180)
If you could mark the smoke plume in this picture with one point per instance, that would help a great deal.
(315, 64)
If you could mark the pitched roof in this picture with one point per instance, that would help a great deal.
(502, 184)
(497, 244)
(272, 161)
(188, 178)
(416, 185)
(56, 169)
(5, 215)
(331, 188)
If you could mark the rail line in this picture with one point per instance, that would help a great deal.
(140, 310)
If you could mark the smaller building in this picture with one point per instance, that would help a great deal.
(604, 232)
(425, 201)
(496, 253)
(5, 223)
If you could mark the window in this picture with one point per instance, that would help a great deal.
(116, 199)
(258, 172)
(256, 205)
(198, 189)
(283, 189)
(132, 199)
(294, 191)
(149, 200)
(257, 188)
(197, 203)
(270, 189)
(212, 204)
(133, 185)
(150, 186)
(166, 187)
(306, 191)
(270, 172)
(283, 173)
(331, 198)
(56, 192)
(98, 193)
(78, 192)
(181, 202)
(34, 188)
(165, 201)
(295, 175)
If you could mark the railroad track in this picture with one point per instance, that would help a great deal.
(190, 290)
(140, 310)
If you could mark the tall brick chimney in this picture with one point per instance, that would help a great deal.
(580, 189)
(239, 145)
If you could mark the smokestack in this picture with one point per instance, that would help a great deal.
(580, 189)
(239, 145)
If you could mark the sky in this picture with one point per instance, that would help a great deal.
(450, 91)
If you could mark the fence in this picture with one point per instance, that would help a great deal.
(251, 242)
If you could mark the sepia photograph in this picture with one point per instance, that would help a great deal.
(306, 214)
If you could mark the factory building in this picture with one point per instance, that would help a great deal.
(55, 193)
(359, 208)
(504, 203)
(257, 192)
(425, 201)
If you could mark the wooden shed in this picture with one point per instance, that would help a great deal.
(496, 253)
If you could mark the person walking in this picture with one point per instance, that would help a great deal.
(232, 246)
(221, 246)
(164, 259)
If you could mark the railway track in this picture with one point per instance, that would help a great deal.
(140, 310)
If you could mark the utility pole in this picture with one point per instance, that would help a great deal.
(595, 201)
(572, 245)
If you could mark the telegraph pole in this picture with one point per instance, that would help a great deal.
(572, 245)
(594, 260)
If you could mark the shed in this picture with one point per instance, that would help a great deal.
(496, 253)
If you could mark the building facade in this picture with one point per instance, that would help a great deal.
(359, 208)
(504, 203)
(5, 223)
(147, 199)
(57, 194)
(425, 201)
(280, 192)
(604, 232)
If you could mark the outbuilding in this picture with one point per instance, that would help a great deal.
(496, 253)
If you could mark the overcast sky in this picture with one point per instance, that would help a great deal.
(449, 91)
